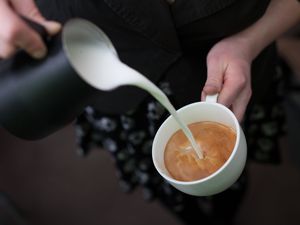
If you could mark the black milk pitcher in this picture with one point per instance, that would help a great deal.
(39, 97)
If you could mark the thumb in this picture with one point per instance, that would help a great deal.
(214, 81)
(29, 9)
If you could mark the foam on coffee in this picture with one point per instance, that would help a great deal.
(217, 142)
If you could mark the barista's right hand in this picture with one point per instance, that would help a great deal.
(16, 34)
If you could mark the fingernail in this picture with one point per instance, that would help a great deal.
(39, 54)
(53, 27)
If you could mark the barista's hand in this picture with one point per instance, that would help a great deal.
(228, 73)
(16, 34)
(229, 61)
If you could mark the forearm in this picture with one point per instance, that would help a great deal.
(279, 17)
(289, 49)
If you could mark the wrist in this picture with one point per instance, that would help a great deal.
(247, 45)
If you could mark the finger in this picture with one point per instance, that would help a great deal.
(231, 90)
(15, 32)
(240, 105)
(6, 50)
(236, 80)
(29, 9)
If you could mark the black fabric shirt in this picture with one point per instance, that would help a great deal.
(187, 11)
(156, 38)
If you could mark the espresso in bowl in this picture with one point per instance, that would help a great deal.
(222, 142)
(216, 141)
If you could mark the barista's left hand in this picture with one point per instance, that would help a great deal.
(228, 73)
(229, 61)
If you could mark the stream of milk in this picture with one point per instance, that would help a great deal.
(114, 73)
(130, 76)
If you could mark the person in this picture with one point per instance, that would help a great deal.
(289, 53)
(190, 49)
(289, 50)
(16, 34)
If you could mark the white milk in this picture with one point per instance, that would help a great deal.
(124, 75)
(95, 60)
